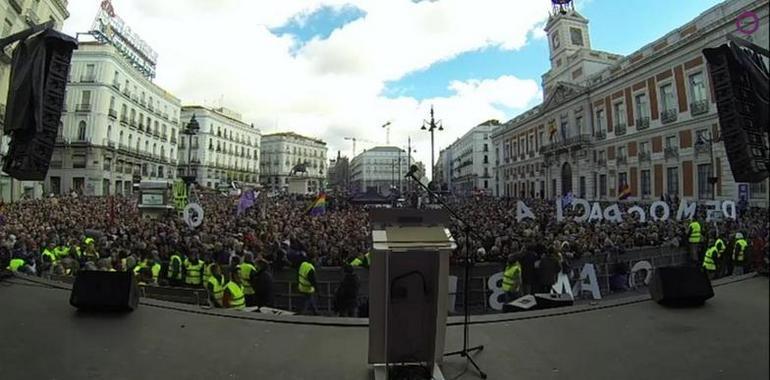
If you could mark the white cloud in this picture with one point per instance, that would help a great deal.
(331, 88)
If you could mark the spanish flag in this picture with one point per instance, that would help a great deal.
(319, 205)
(624, 191)
(551, 128)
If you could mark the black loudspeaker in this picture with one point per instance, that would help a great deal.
(35, 100)
(550, 300)
(520, 304)
(740, 81)
(104, 291)
(680, 286)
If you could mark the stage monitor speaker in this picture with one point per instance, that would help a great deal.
(550, 300)
(680, 286)
(520, 304)
(740, 80)
(104, 291)
(39, 72)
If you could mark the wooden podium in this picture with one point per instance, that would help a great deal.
(408, 289)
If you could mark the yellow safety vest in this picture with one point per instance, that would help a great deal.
(170, 265)
(61, 252)
(155, 272)
(207, 273)
(140, 266)
(50, 255)
(88, 240)
(304, 281)
(720, 245)
(357, 262)
(218, 288)
(193, 272)
(237, 300)
(245, 272)
(740, 248)
(695, 236)
(708, 259)
(15, 264)
(512, 277)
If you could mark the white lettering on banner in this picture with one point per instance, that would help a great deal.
(559, 210)
(711, 208)
(562, 285)
(643, 265)
(612, 214)
(522, 211)
(588, 282)
(494, 283)
(596, 213)
(639, 212)
(686, 210)
(729, 214)
(586, 209)
(452, 290)
(655, 206)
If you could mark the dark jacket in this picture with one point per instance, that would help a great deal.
(346, 296)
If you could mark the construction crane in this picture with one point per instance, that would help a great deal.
(354, 139)
(387, 133)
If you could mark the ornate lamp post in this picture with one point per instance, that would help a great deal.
(190, 130)
(430, 126)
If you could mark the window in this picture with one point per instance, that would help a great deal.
(672, 181)
(90, 72)
(621, 151)
(486, 159)
(553, 188)
(112, 103)
(79, 161)
(642, 109)
(541, 137)
(579, 124)
(620, 113)
(697, 88)
(576, 35)
(702, 136)
(705, 190)
(644, 147)
(622, 180)
(7, 28)
(667, 97)
(85, 98)
(82, 131)
(582, 187)
(645, 183)
(486, 148)
(671, 142)
(602, 185)
(109, 133)
(758, 190)
(602, 155)
(564, 130)
(116, 78)
(600, 120)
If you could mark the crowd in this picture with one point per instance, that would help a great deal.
(61, 235)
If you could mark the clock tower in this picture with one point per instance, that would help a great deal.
(567, 32)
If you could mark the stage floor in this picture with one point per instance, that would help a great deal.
(43, 337)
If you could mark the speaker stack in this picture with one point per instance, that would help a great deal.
(104, 291)
(680, 286)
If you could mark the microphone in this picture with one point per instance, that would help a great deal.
(412, 169)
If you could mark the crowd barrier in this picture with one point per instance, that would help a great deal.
(485, 287)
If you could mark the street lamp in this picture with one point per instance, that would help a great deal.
(430, 126)
(190, 130)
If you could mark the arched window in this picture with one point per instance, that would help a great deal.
(109, 133)
(147, 146)
(133, 115)
(130, 139)
(138, 143)
(162, 152)
(120, 138)
(82, 131)
(156, 127)
(154, 148)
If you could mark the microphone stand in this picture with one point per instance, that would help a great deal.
(467, 231)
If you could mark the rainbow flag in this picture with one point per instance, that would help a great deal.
(624, 191)
(319, 205)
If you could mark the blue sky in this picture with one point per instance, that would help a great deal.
(609, 22)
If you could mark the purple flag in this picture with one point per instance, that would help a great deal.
(246, 201)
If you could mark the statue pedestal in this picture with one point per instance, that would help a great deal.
(298, 185)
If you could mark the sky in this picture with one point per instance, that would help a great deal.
(332, 69)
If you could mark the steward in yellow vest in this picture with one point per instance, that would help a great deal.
(247, 273)
(512, 279)
(306, 283)
(215, 285)
(361, 261)
(233, 297)
(15, 264)
(710, 261)
(175, 270)
(739, 254)
(193, 271)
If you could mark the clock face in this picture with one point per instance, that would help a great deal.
(555, 40)
(576, 35)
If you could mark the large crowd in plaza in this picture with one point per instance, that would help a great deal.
(277, 233)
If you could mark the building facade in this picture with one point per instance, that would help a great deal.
(648, 121)
(282, 152)
(468, 164)
(379, 169)
(117, 128)
(339, 173)
(224, 150)
(17, 15)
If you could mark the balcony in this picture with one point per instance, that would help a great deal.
(127, 170)
(55, 165)
(123, 147)
(164, 137)
(621, 160)
(702, 148)
(671, 152)
(124, 119)
(106, 166)
(83, 107)
(127, 92)
(88, 78)
(116, 85)
(600, 135)
(601, 162)
(112, 114)
(644, 156)
(699, 107)
(32, 18)
(571, 143)
(132, 123)
(620, 129)
(642, 123)
(173, 139)
(141, 126)
(668, 116)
